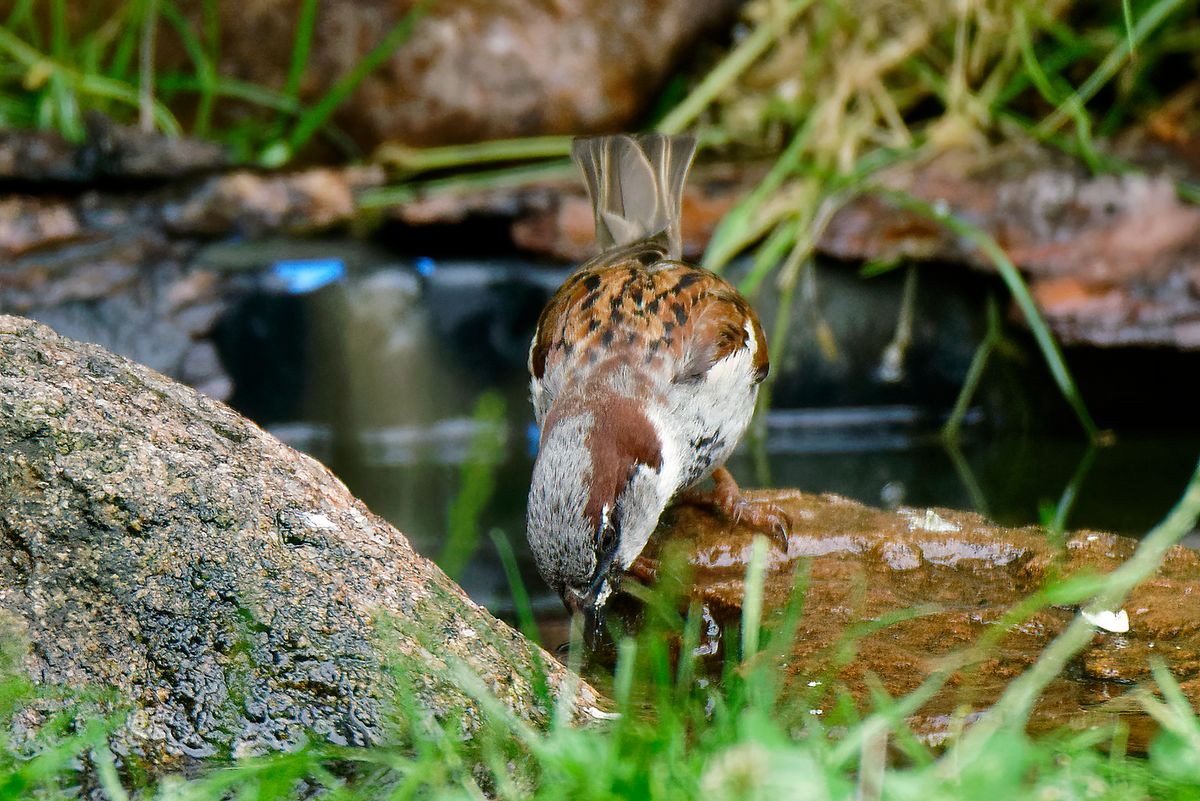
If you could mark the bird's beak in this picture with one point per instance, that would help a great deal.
(589, 607)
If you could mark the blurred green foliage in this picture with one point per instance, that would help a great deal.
(59, 61)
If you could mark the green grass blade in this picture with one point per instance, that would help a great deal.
(417, 159)
(516, 587)
(315, 117)
(770, 254)
(206, 71)
(1041, 81)
(1154, 16)
(506, 177)
(66, 107)
(100, 86)
(952, 429)
(1127, 16)
(96, 85)
(752, 603)
(21, 16)
(146, 71)
(739, 227)
(1018, 699)
(477, 485)
(1016, 285)
(306, 23)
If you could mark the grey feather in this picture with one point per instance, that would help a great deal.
(636, 186)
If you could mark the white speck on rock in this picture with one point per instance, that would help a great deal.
(318, 520)
(1117, 622)
(928, 520)
(600, 714)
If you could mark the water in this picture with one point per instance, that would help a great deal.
(378, 373)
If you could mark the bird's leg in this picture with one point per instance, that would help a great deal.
(644, 569)
(727, 497)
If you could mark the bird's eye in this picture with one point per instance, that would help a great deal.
(607, 539)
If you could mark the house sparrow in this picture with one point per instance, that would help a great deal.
(645, 372)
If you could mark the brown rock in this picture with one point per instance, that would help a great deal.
(27, 222)
(252, 204)
(109, 151)
(473, 70)
(958, 575)
(1108, 257)
(227, 587)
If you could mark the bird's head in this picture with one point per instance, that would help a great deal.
(595, 498)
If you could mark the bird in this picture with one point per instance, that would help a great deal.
(644, 374)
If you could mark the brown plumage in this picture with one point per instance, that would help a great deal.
(644, 375)
(658, 313)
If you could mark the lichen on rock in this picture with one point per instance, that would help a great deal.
(230, 589)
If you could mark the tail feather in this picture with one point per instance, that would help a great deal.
(636, 186)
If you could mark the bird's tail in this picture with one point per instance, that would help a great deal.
(636, 186)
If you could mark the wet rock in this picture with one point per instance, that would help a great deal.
(1111, 259)
(28, 222)
(228, 587)
(109, 267)
(36, 156)
(473, 70)
(959, 575)
(109, 151)
(130, 291)
(244, 203)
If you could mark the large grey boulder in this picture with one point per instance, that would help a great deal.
(230, 588)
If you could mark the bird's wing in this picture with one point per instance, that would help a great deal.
(584, 309)
(716, 322)
(664, 317)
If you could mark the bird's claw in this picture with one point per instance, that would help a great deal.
(726, 496)
(768, 518)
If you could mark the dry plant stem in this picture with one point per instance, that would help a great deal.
(415, 159)
(146, 65)
(1012, 710)
(734, 64)
(891, 366)
(872, 765)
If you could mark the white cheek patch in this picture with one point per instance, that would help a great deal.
(641, 505)
(536, 392)
(752, 347)
(731, 377)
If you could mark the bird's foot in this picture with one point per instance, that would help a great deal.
(727, 497)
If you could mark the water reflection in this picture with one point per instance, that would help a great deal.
(379, 377)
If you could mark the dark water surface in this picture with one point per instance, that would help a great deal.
(380, 372)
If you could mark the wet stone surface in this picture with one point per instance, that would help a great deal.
(959, 575)
(228, 588)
